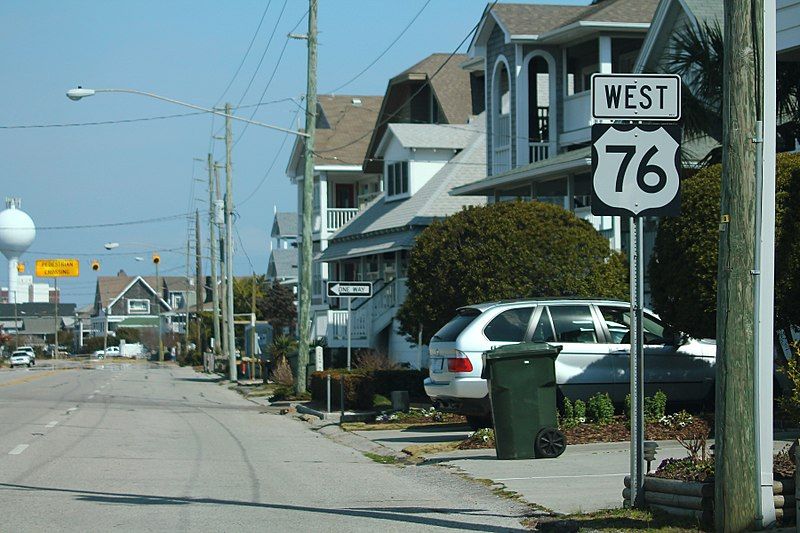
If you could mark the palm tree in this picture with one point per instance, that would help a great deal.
(282, 346)
(697, 55)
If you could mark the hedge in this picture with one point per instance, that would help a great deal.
(361, 387)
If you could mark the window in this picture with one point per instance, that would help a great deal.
(453, 329)
(139, 307)
(618, 321)
(510, 195)
(573, 323)
(397, 178)
(509, 326)
(624, 51)
(552, 192)
(583, 60)
(582, 191)
(544, 329)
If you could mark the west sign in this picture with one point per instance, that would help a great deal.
(637, 97)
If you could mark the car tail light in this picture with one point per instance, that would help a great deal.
(462, 364)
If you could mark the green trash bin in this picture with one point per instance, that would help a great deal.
(522, 391)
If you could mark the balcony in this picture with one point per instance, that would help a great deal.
(538, 151)
(577, 118)
(338, 217)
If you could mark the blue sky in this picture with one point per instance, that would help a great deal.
(188, 50)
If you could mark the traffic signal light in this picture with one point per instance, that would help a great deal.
(95, 264)
(156, 259)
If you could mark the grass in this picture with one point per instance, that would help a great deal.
(382, 459)
(613, 520)
(263, 390)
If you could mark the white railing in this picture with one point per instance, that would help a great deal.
(539, 151)
(338, 217)
(337, 325)
(365, 317)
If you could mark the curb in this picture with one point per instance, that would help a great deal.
(309, 411)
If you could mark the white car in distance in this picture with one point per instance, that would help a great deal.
(19, 358)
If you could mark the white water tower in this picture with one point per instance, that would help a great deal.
(17, 232)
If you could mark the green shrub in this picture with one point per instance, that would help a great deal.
(281, 394)
(655, 407)
(683, 269)
(380, 401)
(505, 250)
(600, 408)
(580, 411)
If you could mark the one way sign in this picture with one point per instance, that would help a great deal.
(349, 289)
(636, 97)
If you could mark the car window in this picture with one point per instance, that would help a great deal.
(509, 326)
(459, 323)
(618, 321)
(573, 323)
(544, 329)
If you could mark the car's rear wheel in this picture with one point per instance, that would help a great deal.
(549, 443)
(479, 422)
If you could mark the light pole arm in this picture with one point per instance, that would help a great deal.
(199, 108)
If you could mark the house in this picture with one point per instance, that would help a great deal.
(282, 266)
(341, 185)
(539, 60)
(33, 322)
(422, 163)
(124, 301)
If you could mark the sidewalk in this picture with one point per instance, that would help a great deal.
(587, 477)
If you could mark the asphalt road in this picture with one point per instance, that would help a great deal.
(132, 447)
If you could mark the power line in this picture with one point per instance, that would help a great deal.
(411, 22)
(111, 224)
(141, 119)
(241, 243)
(264, 53)
(410, 98)
(274, 161)
(244, 57)
(272, 76)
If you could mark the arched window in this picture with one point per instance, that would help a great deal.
(501, 117)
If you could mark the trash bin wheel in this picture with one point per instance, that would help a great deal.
(549, 443)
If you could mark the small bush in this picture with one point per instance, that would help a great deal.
(281, 394)
(600, 408)
(374, 360)
(655, 407)
(790, 406)
(282, 375)
(580, 411)
(569, 413)
(379, 401)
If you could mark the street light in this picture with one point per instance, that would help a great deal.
(80, 92)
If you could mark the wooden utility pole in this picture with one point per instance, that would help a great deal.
(212, 245)
(223, 284)
(306, 258)
(199, 282)
(229, 241)
(738, 505)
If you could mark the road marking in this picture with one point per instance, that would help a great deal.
(96, 391)
(72, 409)
(52, 424)
(26, 379)
(18, 450)
(561, 477)
(91, 396)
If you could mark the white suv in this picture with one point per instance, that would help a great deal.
(20, 358)
(595, 356)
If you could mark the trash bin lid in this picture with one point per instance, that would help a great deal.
(524, 349)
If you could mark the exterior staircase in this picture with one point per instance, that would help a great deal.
(369, 316)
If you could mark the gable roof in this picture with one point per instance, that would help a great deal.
(449, 83)
(344, 125)
(284, 225)
(431, 201)
(551, 23)
(111, 288)
(667, 13)
(455, 137)
(283, 264)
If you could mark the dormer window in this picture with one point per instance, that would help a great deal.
(397, 178)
